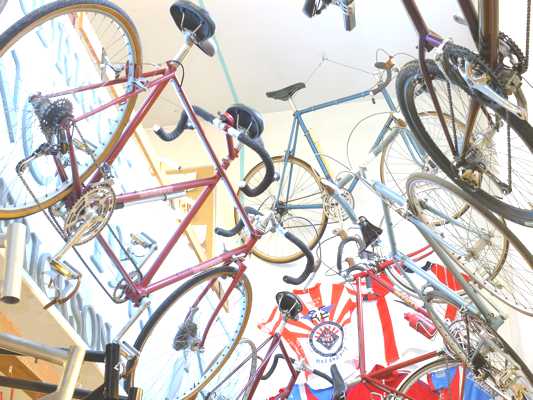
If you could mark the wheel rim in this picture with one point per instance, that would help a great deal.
(489, 146)
(78, 22)
(484, 247)
(307, 224)
(160, 350)
(232, 379)
(493, 362)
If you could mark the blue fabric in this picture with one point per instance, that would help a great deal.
(441, 379)
(472, 391)
(299, 393)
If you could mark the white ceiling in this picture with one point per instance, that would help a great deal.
(270, 44)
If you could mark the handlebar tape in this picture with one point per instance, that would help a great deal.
(309, 267)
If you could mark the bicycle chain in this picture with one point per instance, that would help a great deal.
(452, 114)
(55, 224)
(50, 218)
(521, 64)
(452, 54)
(528, 31)
(509, 174)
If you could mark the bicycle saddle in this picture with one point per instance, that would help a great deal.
(247, 119)
(285, 93)
(191, 18)
(289, 304)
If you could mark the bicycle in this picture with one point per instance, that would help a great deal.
(471, 341)
(60, 164)
(298, 198)
(291, 308)
(472, 345)
(480, 131)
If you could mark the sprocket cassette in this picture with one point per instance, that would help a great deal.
(51, 114)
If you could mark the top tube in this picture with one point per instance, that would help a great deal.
(347, 99)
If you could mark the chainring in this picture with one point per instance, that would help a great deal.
(332, 207)
(93, 208)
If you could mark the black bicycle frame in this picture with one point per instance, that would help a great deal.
(485, 35)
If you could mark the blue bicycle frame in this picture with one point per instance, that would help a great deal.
(416, 151)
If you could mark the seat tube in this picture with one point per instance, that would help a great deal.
(489, 30)
(315, 149)
(291, 151)
(390, 228)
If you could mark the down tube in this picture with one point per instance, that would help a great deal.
(435, 282)
(175, 237)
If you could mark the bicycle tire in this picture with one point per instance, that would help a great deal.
(314, 227)
(516, 262)
(33, 23)
(178, 298)
(398, 174)
(483, 356)
(407, 88)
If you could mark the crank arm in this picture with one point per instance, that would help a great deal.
(54, 261)
(520, 112)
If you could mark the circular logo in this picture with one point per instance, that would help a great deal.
(326, 338)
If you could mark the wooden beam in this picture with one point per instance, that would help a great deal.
(24, 367)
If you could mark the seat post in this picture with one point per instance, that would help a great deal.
(291, 103)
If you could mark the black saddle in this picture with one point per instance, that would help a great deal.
(191, 18)
(289, 304)
(286, 93)
(247, 119)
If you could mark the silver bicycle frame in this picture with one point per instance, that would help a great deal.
(389, 197)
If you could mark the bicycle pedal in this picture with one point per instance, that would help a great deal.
(128, 351)
(62, 269)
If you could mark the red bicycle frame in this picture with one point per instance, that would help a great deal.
(160, 78)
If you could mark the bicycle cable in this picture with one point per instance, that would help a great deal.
(528, 31)
(352, 132)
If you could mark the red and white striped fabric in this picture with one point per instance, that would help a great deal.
(325, 333)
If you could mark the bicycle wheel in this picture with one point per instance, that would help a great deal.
(173, 363)
(230, 383)
(493, 366)
(483, 245)
(62, 47)
(445, 377)
(299, 208)
(498, 165)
